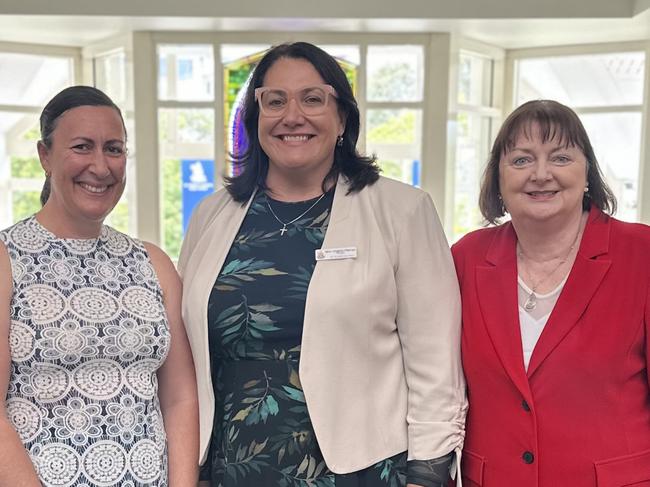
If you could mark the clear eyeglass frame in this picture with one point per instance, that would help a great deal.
(298, 96)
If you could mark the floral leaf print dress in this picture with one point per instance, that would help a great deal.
(88, 332)
(262, 434)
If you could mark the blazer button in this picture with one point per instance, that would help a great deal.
(528, 457)
(525, 406)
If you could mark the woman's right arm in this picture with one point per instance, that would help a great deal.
(16, 469)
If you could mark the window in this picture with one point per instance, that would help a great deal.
(27, 82)
(199, 88)
(186, 126)
(394, 101)
(476, 118)
(606, 90)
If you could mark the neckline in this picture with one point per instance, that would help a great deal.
(528, 290)
(41, 229)
(324, 196)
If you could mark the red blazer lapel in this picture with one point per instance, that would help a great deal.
(496, 284)
(584, 279)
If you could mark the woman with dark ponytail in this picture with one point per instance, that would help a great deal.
(96, 368)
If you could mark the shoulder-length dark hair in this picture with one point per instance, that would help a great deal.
(67, 99)
(555, 122)
(360, 170)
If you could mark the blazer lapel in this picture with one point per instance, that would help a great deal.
(340, 204)
(496, 283)
(584, 279)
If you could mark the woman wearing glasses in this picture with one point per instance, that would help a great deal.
(321, 302)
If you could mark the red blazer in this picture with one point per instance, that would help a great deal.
(580, 416)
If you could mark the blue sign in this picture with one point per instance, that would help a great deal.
(198, 182)
(415, 173)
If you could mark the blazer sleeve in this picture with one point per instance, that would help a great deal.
(428, 323)
(647, 330)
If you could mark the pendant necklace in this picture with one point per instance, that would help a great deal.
(283, 230)
(531, 301)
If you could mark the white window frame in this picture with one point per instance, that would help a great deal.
(7, 184)
(493, 110)
(434, 105)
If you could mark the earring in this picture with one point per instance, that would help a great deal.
(47, 174)
(586, 190)
(339, 141)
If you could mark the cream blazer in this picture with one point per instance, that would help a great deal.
(380, 358)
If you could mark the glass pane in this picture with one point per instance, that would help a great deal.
(185, 72)
(406, 170)
(616, 138)
(111, 77)
(236, 73)
(233, 52)
(393, 126)
(25, 203)
(27, 79)
(186, 136)
(119, 217)
(395, 73)
(21, 175)
(583, 81)
(394, 136)
(472, 147)
(474, 80)
(350, 54)
(26, 167)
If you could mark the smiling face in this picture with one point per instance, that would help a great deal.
(295, 143)
(86, 161)
(542, 180)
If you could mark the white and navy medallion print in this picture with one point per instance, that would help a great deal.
(88, 333)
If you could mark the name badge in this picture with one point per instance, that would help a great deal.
(336, 254)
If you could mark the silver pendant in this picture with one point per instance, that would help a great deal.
(531, 302)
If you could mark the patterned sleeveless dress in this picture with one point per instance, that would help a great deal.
(88, 333)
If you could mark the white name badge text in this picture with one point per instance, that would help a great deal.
(336, 254)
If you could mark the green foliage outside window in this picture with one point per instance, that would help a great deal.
(25, 203)
(172, 210)
(26, 168)
(398, 129)
(391, 169)
(119, 217)
(390, 82)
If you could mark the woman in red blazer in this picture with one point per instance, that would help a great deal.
(556, 315)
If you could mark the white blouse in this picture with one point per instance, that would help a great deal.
(532, 322)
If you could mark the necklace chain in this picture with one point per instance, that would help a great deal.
(283, 230)
(531, 301)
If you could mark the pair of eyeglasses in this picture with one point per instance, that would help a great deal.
(311, 100)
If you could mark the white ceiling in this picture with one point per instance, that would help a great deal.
(504, 23)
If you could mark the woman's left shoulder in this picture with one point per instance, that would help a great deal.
(163, 266)
(158, 257)
(624, 238)
(627, 230)
(397, 193)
